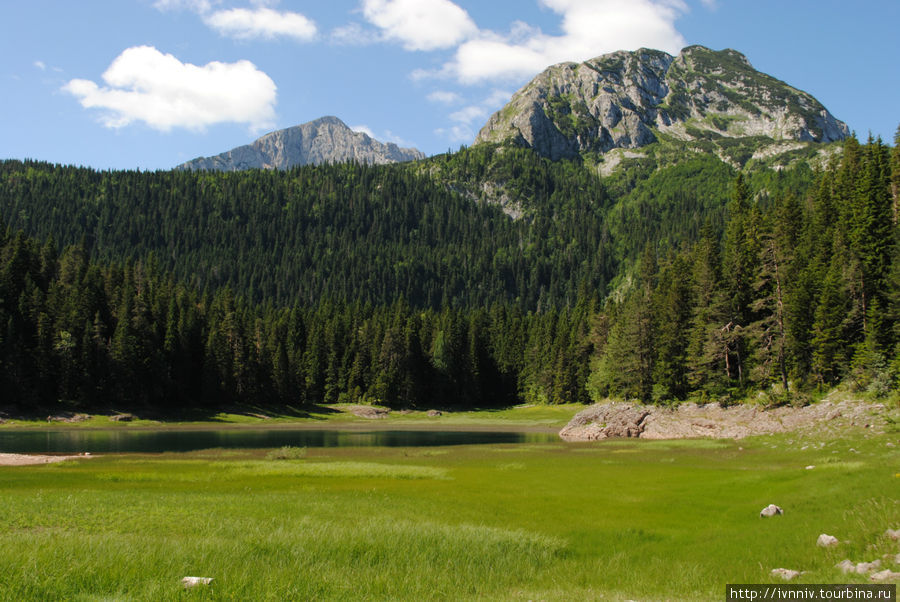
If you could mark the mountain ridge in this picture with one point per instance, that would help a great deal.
(628, 100)
(323, 140)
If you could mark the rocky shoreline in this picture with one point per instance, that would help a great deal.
(713, 421)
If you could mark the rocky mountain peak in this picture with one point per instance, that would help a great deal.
(325, 140)
(627, 99)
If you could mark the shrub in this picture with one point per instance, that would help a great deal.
(287, 453)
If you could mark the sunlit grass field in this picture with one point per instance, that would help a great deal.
(604, 521)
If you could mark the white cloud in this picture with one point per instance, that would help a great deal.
(420, 24)
(469, 114)
(390, 136)
(145, 85)
(354, 34)
(444, 97)
(474, 115)
(40, 65)
(497, 99)
(197, 6)
(589, 28)
(363, 129)
(457, 133)
(246, 24)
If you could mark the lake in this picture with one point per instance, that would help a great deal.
(172, 440)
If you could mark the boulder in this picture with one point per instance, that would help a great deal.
(189, 582)
(867, 567)
(435, 413)
(369, 412)
(606, 421)
(846, 566)
(770, 510)
(786, 574)
(893, 534)
(68, 417)
(885, 575)
(826, 541)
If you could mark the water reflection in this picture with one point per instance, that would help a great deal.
(156, 441)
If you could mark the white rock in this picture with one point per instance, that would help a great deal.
(846, 566)
(893, 533)
(189, 582)
(770, 510)
(885, 575)
(810, 467)
(825, 541)
(786, 574)
(867, 567)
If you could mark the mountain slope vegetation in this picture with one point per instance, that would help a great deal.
(796, 291)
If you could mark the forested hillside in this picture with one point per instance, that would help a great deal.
(797, 290)
(432, 233)
(409, 285)
(123, 336)
(346, 233)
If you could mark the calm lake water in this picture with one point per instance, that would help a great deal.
(157, 441)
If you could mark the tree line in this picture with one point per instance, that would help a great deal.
(132, 336)
(787, 294)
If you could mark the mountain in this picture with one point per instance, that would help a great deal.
(325, 140)
(628, 100)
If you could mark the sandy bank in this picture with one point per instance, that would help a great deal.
(28, 459)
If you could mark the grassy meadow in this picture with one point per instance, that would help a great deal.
(614, 520)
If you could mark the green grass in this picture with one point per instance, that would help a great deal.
(524, 416)
(616, 520)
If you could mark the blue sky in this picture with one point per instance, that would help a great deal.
(149, 84)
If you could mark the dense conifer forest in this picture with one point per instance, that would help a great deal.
(350, 283)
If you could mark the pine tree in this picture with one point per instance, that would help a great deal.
(769, 329)
(871, 235)
(895, 176)
(672, 309)
(708, 344)
(828, 341)
(740, 255)
(626, 365)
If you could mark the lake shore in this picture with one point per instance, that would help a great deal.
(574, 422)
(526, 418)
(38, 459)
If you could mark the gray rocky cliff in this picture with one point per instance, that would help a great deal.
(626, 99)
(325, 140)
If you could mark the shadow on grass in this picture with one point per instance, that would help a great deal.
(70, 414)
